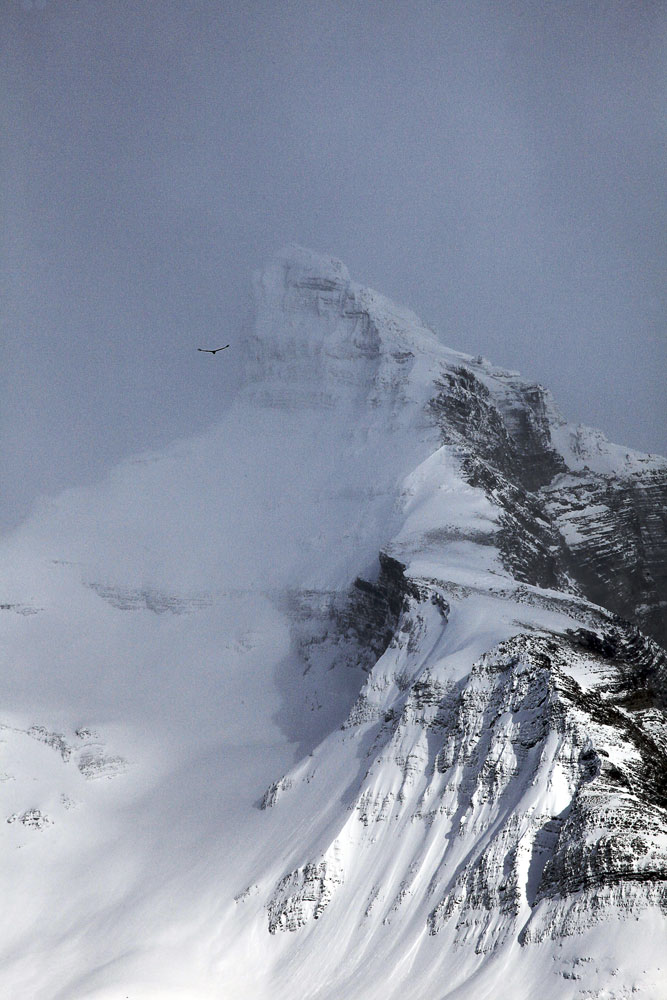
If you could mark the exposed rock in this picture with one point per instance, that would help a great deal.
(94, 763)
(603, 534)
(304, 894)
(160, 603)
(616, 534)
(274, 791)
(31, 819)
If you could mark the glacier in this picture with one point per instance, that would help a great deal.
(360, 693)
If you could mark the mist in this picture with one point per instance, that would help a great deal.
(499, 168)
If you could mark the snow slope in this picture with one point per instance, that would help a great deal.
(317, 704)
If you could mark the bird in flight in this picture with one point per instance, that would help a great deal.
(207, 350)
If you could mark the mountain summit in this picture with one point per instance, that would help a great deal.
(359, 694)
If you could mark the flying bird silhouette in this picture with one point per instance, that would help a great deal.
(207, 350)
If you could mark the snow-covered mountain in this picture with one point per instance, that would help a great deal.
(359, 694)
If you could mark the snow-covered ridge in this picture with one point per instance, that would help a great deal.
(365, 664)
(307, 305)
(552, 496)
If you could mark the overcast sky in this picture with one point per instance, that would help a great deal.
(497, 166)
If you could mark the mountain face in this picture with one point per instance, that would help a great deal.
(360, 694)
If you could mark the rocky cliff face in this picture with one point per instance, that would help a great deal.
(615, 528)
(601, 529)
(375, 667)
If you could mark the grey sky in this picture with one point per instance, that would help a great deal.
(498, 167)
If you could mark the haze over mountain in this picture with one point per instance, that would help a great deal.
(357, 694)
(497, 167)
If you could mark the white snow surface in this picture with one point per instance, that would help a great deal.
(154, 689)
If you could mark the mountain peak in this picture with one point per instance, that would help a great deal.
(370, 652)
(303, 267)
(319, 338)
